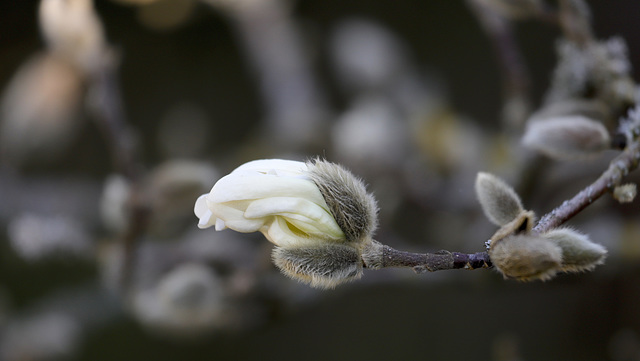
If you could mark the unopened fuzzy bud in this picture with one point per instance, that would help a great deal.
(355, 210)
(323, 266)
(526, 257)
(522, 224)
(499, 201)
(567, 137)
(578, 252)
(625, 193)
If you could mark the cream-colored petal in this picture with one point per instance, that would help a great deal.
(234, 188)
(220, 225)
(201, 206)
(234, 218)
(281, 234)
(206, 220)
(280, 166)
(305, 215)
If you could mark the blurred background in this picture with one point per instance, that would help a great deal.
(103, 153)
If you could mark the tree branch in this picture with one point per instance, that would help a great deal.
(385, 256)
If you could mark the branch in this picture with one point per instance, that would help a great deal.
(619, 167)
(382, 256)
(423, 262)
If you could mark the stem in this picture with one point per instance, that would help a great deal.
(441, 260)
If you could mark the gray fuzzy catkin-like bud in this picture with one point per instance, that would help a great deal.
(566, 137)
(499, 201)
(324, 266)
(526, 257)
(578, 252)
(355, 210)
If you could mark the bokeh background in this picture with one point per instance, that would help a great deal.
(407, 94)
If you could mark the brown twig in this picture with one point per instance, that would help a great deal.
(441, 260)
(619, 167)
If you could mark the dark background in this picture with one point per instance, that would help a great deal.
(457, 315)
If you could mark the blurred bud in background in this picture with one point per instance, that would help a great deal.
(170, 190)
(365, 55)
(188, 300)
(35, 237)
(371, 129)
(39, 109)
(113, 203)
(74, 32)
(568, 137)
(49, 336)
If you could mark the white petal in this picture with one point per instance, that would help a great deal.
(205, 220)
(306, 215)
(220, 225)
(265, 165)
(234, 188)
(279, 233)
(201, 206)
(233, 217)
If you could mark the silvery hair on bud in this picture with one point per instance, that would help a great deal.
(324, 266)
(355, 210)
(500, 203)
(526, 257)
(579, 253)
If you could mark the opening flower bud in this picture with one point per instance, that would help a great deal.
(317, 213)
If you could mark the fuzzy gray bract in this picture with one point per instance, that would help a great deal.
(355, 210)
(323, 266)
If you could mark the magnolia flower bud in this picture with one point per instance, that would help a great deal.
(578, 252)
(317, 213)
(567, 137)
(499, 201)
(526, 257)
